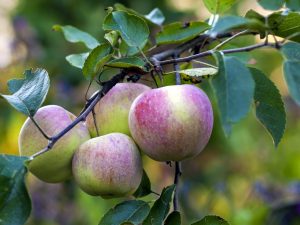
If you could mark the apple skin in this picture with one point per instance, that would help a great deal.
(55, 165)
(109, 166)
(171, 123)
(112, 110)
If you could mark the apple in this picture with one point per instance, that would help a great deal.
(109, 166)
(112, 110)
(56, 164)
(171, 123)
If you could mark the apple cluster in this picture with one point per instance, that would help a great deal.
(171, 123)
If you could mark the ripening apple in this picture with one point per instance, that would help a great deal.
(56, 164)
(112, 110)
(109, 166)
(171, 123)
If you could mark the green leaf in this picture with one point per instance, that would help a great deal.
(96, 60)
(199, 72)
(74, 35)
(15, 204)
(112, 37)
(284, 25)
(126, 50)
(133, 212)
(77, 60)
(218, 6)
(293, 4)
(234, 90)
(132, 28)
(271, 4)
(211, 220)
(28, 94)
(128, 62)
(144, 188)
(269, 105)
(179, 32)
(291, 68)
(161, 207)
(227, 23)
(156, 17)
(173, 219)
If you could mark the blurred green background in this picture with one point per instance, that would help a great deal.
(242, 178)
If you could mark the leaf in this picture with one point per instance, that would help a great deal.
(179, 32)
(284, 25)
(77, 60)
(234, 90)
(133, 211)
(293, 5)
(28, 94)
(173, 219)
(291, 67)
(199, 72)
(15, 204)
(218, 6)
(227, 23)
(161, 207)
(96, 60)
(74, 35)
(269, 105)
(271, 4)
(112, 37)
(144, 187)
(156, 16)
(211, 220)
(128, 62)
(126, 50)
(132, 28)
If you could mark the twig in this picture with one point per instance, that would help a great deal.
(230, 39)
(176, 180)
(39, 128)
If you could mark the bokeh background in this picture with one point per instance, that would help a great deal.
(242, 178)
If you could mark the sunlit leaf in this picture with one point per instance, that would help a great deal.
(112, 37)
(218, 6)
(15, 204)
(77, 60)
(74, 35)
(156, 16)
(28, 94)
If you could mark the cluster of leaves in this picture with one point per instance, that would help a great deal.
(128, 44)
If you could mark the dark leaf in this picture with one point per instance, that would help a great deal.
(28, 94)
(218, 6)
(271, 4)
(74, 35)
(77, 60)
(144, 188)
(293, 4)
(269, 105)
(234, 90)
(173, 219)
(211, 220)
(15, 204)
(133, 212)
(161, 207)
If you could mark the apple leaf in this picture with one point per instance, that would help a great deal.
(74, 35)
(161, 207)
(132, 211)
(112, 37)
(218, 6)
(155, 16)
(269, 105)
(271, 4)
(144, 187)
(291, 67)
(173, 219)
(133, 29)
(28, 94)
(234, 90)
(128, 62)
(211, 220)
(96, 60)
(77, 60)
(179, 32)
(15, 204)
(293, 4)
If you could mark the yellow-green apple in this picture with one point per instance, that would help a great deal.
(112, 110)
(109, 166)
(56, 164)
(171, 123)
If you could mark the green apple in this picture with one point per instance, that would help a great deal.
(171, 123)
(109, 166)
(56, 164)
(112, 110)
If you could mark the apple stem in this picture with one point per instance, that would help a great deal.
(95, 122)
(176, 180)
(39, 128)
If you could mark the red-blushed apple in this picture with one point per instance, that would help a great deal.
(109, 166)
(171, 123)
(56, 164)
(112, 110)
